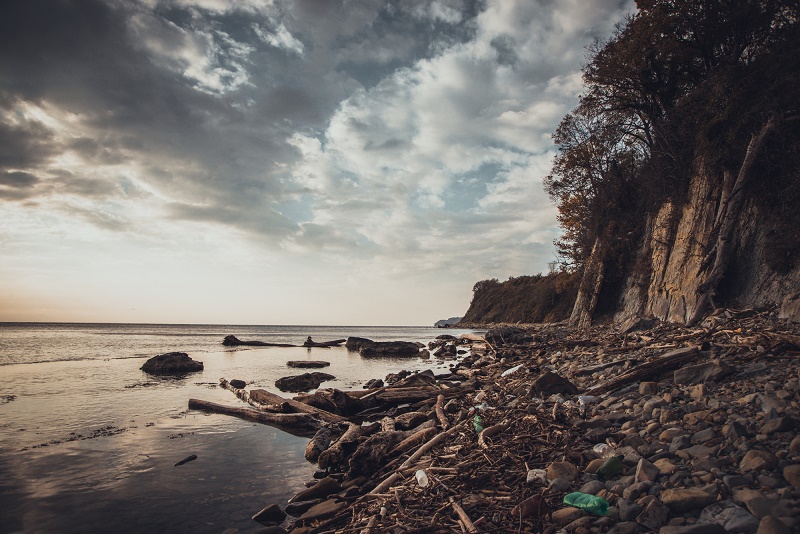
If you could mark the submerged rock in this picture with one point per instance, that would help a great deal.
(389, 348)
(171, 363)
(302, 382)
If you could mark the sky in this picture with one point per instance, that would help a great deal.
(314, 162)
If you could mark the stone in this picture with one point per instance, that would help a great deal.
(791, 474)
(594, 465)
(698, 392)
(353, 344)
(267, 530)
(757, 460)
(624, 527)
(389, 348)
(374, 383)
(704, 435)
(772, 525)
(171, 363)
(665, 466)
(304, 382)
(646, 471)
(550, 383)
(308, 364)
(703, 372)
(320, 490)
(567, 515)
(653, 516)
(628, 510)
(671, 433)
(592, 487)
(238, 384)
(762, 506)
(686, 499)
(694, 529)
(565, 470)
(633, 491)
(736, 481)
(728, 515)
(780, 424)
(270, 515)
(559, 485)
(648, 388)
(323, 510)
(298, 508)
(794, 446)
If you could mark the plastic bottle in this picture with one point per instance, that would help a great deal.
(591, 503)
(478, 422)
(422, 478)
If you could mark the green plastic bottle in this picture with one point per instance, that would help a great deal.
(611, 468)
(478, 423)
(591, 503)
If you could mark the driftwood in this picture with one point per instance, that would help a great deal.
(371, 455)
(265, 397)
(337, 453)
(489, 432)
(297, 424)
(244, 395)
(319, 443)
(233, 341)
(667, 362)
(462, 515)
(412, 394)
(439, 408)
(323, 344)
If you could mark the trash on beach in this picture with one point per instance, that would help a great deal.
(512, 370)
(422, 478)
(591, 503)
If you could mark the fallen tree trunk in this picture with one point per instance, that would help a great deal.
(337, 453)
(667, 362)
(297, 424)
(439, 408)
(318, 444)
(265, 397)
(244, 395)
(324, 344)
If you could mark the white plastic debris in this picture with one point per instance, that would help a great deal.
(587, 399)
(422, 478)
(512, 370)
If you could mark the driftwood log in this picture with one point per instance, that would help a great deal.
(337, 453)
(318, 444)
(667, 362)
(265, 397)
(297, 424)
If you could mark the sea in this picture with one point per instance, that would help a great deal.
(89, 442)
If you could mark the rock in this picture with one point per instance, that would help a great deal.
(532, 506)
(610, 468)
(308, 364)
(303, 382)
(559, 485)
(628, 510)
(781, 424)
(565, 470)
(694, 529)
(298, 508)
(736, 481)
(268, 530)
(270, 515)
(171, 363)
(550, 383)
(624, 527)
(425, 378)
(375, 383)
(648, 388)
(646, 471)
(728, 515)
(772, 525)
(686, 499)
(703, 372)
(388, 348)
(757, 460)
(665, 466)
(511, 335)
(238, 384)
(791, 474)
(592, 487)
(323, 510)
(355, 343)
(698, 392)
(320, 490)
(567, 515)
(653, 516)
(594, 465)
(794, 446)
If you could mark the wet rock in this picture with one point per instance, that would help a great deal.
(304, 382)
(686, 499)
(238, 384)
(794, 446)
(389, 348)
(320, 490)
(648, 388)
(323, 510)
(559, 485)
(592, 487)
(298, 508)
(703, 372)
(567, 515)
(665, 466)
(270, 515)
(628, 510)
(694, 529)
(355, 343)
(375, 383)
(757, 460)
(308, 364)
(171, 363)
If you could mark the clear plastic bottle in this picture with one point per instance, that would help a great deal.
(591, 503)
(422, 478)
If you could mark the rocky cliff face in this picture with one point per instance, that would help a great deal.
(672, 259)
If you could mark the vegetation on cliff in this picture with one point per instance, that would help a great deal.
(523, 299)
(682, 88)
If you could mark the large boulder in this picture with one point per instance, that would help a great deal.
(389, 348)
(550, 383)
(171, 363)
(304, 382)
(355, 343)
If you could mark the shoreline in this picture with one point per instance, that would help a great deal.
(704, 421)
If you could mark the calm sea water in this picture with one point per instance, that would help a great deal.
(88, 441)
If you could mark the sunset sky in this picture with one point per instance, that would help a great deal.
(307, 162)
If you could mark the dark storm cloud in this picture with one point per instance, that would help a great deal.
(24, 145)
(18, 179)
